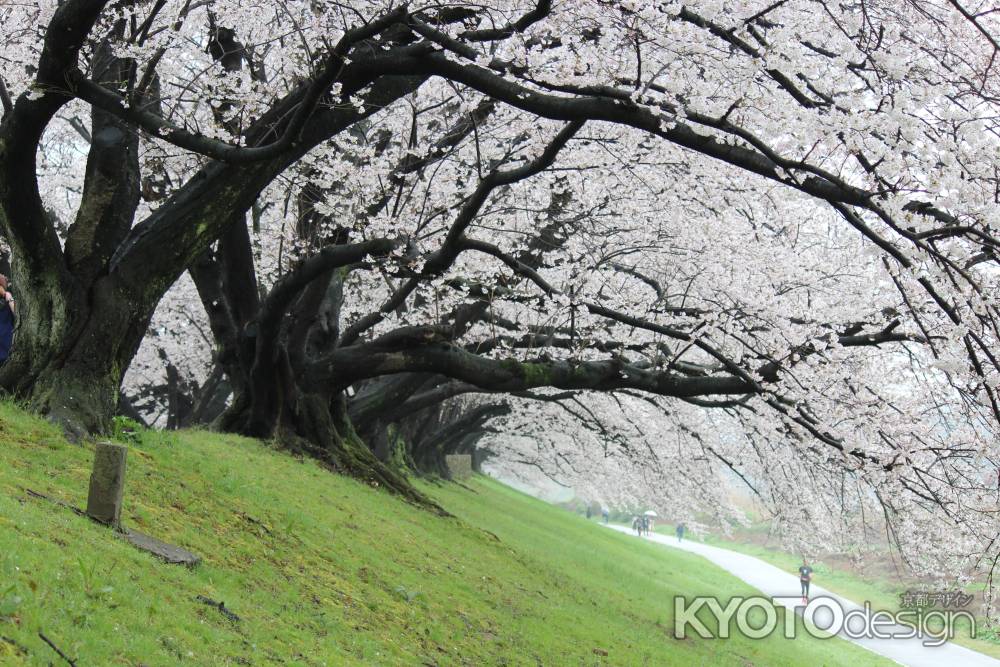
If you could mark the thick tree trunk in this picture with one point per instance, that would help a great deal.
(78, 328)
(70, 357)
(272, 406)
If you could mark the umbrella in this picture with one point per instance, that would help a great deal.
(650, 513)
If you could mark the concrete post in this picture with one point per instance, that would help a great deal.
(107, 483)
(459, 466)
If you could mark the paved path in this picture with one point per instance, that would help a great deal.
(775, 582)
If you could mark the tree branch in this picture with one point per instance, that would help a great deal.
(157, 126)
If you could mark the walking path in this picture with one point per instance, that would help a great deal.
(774, 582)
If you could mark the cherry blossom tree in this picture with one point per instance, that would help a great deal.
(763, 229)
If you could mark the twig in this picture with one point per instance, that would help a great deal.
(42, 496)
(81, 129)
(221, 606)
(57, 650)
(256, 522)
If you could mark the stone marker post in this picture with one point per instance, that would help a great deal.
(107, 482)
(459, 465)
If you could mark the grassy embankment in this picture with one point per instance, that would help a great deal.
(323, 570)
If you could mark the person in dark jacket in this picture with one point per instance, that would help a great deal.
(7, 319)
(805, 578)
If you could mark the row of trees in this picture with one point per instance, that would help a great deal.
(679, 239)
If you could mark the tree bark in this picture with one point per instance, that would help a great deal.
(72, 356)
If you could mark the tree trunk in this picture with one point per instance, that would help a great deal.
(71, 356)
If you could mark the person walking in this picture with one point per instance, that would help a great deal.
(604, 515)
(680, 531)
(805, 578)
(8, 319)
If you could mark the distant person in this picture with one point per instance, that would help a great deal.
(637, 525)
(805, 576)
(604, 515)
(8, 317)
(588, 512)
(680, 531)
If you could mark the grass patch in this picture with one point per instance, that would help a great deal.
(322, 570)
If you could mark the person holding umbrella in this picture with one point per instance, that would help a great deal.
(649, 516)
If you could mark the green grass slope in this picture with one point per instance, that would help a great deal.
(322, 570)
